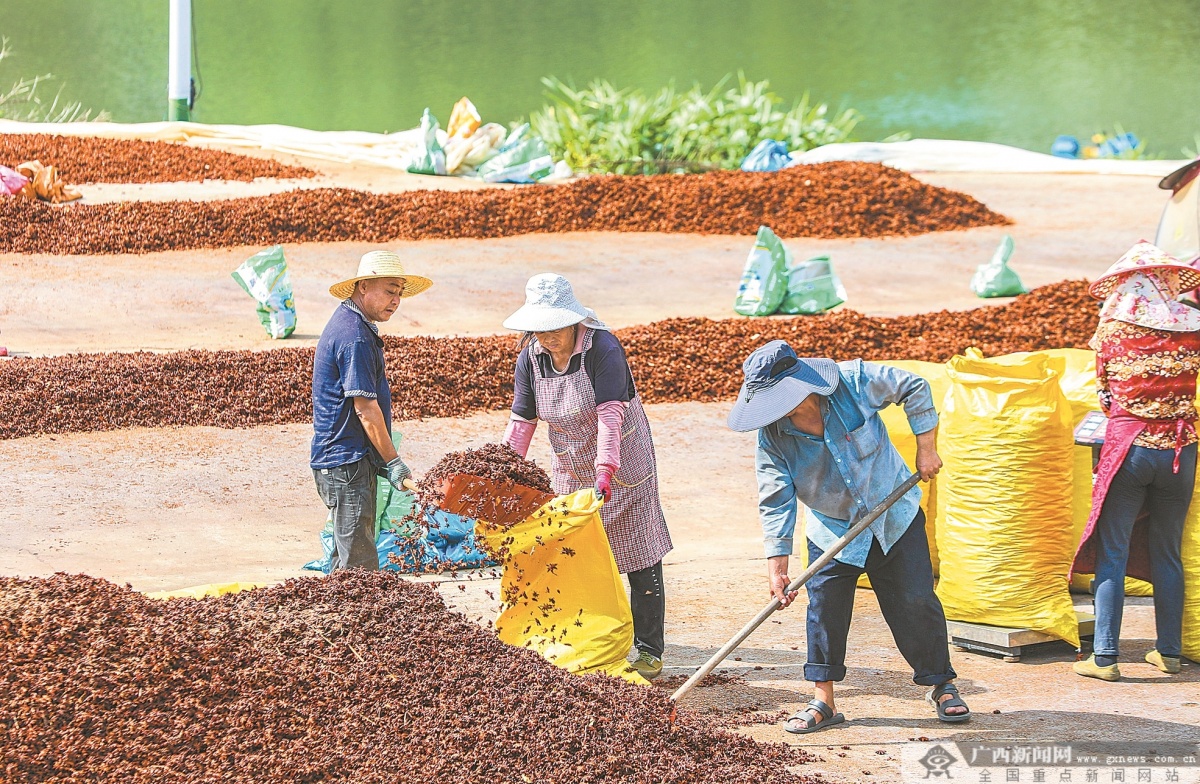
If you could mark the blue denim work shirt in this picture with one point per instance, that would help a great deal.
(846, 473)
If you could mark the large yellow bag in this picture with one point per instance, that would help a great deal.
(203, 591)
(1004, 496)
(1191, 582)
(563, 596)
(902, 436)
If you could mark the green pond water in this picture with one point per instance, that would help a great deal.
(1018, 72)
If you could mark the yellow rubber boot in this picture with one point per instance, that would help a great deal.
(1168, 664)
(1089, 669)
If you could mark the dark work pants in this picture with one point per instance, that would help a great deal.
(1145, 480)
(903, 584)
(349, 492)
(649, 605)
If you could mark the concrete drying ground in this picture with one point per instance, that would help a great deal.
(170, 508)
(1066, 226)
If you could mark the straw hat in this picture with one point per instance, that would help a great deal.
(550, 304)
(1144, 257)
(381, 264)
(776, 382)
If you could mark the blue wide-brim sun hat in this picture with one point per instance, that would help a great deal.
(776, 382)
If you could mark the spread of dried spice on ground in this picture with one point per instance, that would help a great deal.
(824, 200)
(678, 360)
(81, 159)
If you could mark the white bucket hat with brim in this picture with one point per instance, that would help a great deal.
(381, 264)
(550, 304)
(1144, 257)
(776, 382)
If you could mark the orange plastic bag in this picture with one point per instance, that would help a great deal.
(464, 119)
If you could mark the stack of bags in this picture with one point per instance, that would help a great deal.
(470, 148)
(774, 282)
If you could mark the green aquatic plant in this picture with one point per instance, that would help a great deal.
(605, 128)
(24, 100)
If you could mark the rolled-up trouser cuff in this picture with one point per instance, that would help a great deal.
(935, 680)
(818, 673)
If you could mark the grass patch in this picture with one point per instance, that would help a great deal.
(629, 131)
(24, 101)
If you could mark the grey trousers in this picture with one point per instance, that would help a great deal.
(349, 492)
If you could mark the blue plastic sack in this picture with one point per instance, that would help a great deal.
(448, 539)
(767, 156)
(386, 544)
(1118, 145)
(1065, 147)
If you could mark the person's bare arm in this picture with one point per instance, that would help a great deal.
(928, 461)
(371, 416)
(777, 575)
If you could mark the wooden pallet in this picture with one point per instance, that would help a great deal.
(1007, 643)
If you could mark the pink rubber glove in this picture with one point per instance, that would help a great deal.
(604, 474)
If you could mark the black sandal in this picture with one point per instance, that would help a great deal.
(934, 698)
(811, 723)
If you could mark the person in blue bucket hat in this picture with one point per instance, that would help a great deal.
(822, 443)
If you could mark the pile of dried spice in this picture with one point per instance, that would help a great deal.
(360, 676)
(493, 462)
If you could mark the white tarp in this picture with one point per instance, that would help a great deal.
(944, 155)
(393, 150)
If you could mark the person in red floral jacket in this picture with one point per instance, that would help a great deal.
(1147, 358)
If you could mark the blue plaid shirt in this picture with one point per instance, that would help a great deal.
(841, 476)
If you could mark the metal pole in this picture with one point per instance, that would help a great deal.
(179, 61)
(812, 569)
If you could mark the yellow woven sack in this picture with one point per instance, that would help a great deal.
(562, 593)
(1191, 582)
(1004, 499)
(203, 591)
(902, 436)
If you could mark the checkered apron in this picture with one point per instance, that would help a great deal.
(633, 516)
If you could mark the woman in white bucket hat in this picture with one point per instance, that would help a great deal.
(572, 373)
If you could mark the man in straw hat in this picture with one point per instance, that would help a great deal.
(1147, 356)
(352, 405)
(821, 442)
